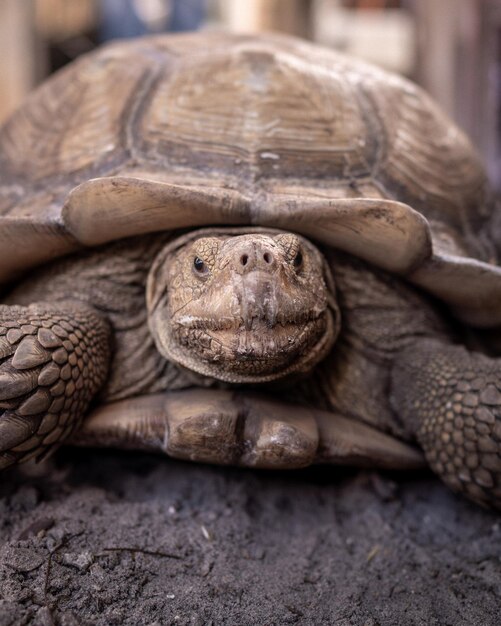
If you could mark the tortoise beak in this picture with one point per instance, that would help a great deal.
(257, 298)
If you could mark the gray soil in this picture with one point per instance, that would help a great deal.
(100, 537)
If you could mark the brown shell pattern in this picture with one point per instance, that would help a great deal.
(258, 115)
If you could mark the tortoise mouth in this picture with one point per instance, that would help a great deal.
(258, 323)
(257, 350)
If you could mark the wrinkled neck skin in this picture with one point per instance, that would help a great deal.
(242, 305)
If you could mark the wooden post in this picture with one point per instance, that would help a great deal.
(437, 24)
(17, 53)
(289, 16)
(459, 60)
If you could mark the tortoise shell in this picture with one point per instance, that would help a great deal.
(186, 130)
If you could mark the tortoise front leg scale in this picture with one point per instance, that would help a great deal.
(241, 428)
(452, 398)
(53, 360)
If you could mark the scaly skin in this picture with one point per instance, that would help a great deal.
(452, 398)
(54, 360)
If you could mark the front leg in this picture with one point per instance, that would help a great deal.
(52, 363)
(452, 399)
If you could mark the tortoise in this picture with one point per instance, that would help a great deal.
(248, 250)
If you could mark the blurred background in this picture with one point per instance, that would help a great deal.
(451, 47)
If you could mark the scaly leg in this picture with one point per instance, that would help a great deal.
(52, 363)
(452, 398)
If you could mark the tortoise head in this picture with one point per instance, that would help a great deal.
(242, 306)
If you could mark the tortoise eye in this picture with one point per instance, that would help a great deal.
(199, 265)
(298, 260)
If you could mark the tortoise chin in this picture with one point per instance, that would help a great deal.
(239, 306)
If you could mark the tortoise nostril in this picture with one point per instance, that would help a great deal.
(254, 257)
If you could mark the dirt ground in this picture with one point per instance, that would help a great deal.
(115, 538)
